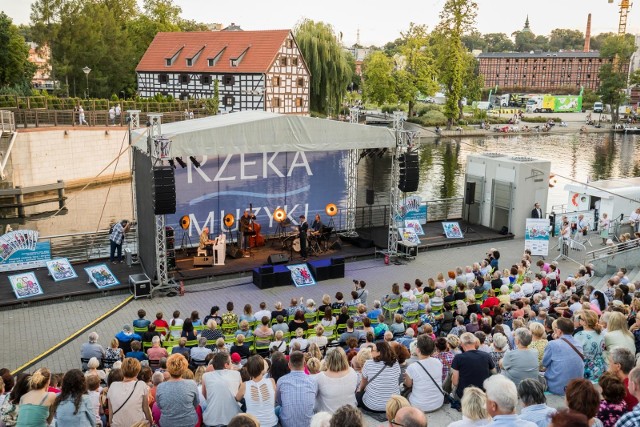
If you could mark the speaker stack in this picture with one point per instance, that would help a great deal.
(470, 193)
(409, 172)
(164, 190)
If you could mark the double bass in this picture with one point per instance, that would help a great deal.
(256, 239)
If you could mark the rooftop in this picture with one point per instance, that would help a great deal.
(573, 54)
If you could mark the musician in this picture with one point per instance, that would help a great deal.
(316, 226)
(205, 242)
(246, 229)
(303, 228)
(634, 219)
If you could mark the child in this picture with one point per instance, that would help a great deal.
(93, 387)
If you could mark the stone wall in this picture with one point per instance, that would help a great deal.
(74, 155)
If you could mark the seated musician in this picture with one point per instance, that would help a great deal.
(205, 242)
(316, 227)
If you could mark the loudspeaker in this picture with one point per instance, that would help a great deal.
(335, 246)
(203, 261)
(370, 197)
(234, 252)
(164, 190)
(275, 259)
(504, 230)
(409, 172)
(470, 193)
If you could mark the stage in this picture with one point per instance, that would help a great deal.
(369, 243)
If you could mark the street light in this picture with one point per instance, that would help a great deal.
(86, 71)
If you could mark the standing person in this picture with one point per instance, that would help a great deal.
(536, 212)
(296, 393)
(246, 230)
(81, 119)
(118, 112)
(563, 357)
(129, 398)
(303, 228)
(34, 405)
(112, 115)
(259, 392)
(116, 239)
(634, 219)
(582, 228)
(177, 398)
(73, 406)
(604, 224)
(425, 377)
(472, 367)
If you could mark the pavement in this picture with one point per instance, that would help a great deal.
(30, 331)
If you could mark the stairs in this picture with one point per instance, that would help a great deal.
(600, 282)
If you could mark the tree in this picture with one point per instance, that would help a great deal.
(613, 75)
(15, 68)
(498, 42)
(456, 18)
(474, 41)
(327, 62)
(472, 80)
(566, 39)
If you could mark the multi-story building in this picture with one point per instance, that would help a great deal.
(41, 57)
(543, 71)
(255, 70)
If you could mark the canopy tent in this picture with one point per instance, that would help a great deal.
(261, 131)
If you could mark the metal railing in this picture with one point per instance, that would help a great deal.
(614, 249)
(437, 210)
(7, 122)
(45, 118)
(83, 247)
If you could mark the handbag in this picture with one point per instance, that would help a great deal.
(455, 404)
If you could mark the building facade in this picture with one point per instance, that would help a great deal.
(543, 71)
(254, 70)
(41, 57)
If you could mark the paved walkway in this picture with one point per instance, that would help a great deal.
(30, 331)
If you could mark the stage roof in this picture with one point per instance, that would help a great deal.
(261, 131)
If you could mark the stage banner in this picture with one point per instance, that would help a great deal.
(536, 236)
(413, 209)
(302, 183)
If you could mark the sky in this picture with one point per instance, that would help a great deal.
(379, 25)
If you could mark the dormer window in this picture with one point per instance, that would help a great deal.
(189, 62)
(170, 60)
(236, 61)
(211, 62)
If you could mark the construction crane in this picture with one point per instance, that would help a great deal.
(625, 6)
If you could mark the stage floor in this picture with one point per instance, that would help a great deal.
(371, 241)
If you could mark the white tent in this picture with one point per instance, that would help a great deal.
(260, 131)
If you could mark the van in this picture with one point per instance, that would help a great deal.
(597, 107)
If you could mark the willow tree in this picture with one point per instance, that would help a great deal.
(457, 18)
(327, 62)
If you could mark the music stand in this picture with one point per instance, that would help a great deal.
(468, 228)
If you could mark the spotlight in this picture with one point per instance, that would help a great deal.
(229, 219)
(185, 221)
(279, 215)
(331, 209)
(172, 163)
(181, 162)
(194, 161)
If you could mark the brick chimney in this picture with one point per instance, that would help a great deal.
(587, 35)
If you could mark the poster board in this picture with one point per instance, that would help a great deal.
(589, 217)
(101, 276)
(409, 236)
(20, 250)
(301, 275)
(25, 285)
(452, 230)
(536, 236)
(414, 225)
(61, 269)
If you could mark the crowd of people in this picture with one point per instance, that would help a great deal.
(477, 338)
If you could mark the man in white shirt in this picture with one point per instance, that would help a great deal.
(263, 311)
(219, 388)
(634, 219)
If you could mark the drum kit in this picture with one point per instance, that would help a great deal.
(291, 241)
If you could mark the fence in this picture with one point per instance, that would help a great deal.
(84, 247)
(44, 118)
(12, 102)
(437, 210)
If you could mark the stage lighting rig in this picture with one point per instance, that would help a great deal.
(194, 161)
(181, 162)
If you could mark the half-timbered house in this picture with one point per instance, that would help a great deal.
(255, 70)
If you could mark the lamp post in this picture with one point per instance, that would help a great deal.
(86, 71)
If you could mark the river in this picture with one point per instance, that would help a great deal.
(442, 169)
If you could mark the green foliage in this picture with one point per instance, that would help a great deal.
(423, 109)
(212, 105)
(526, 41)
(377, 71)
(613, 76)
(566, 39)
(498, 42)
(474, 40)
(327, 62)
(15, 68)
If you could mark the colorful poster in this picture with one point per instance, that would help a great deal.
(25, 285)
(536, 236)
(101, 276)
(61, 269)
(409, 236)
(301, 275)
(415, 225)
(302, 183)
(452, 230)
(412, 208)
(24, 258)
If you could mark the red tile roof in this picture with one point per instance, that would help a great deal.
(263, 47)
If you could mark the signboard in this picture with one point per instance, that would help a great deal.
(301, 275)
(415, 226)
(61, 269)
(536, 236)
(412, 208)
(589, 217)
(25, 285)
(24, 259)
(101, 276)
(409, 236)
(452, 230)
(567, 103)
(302, 183)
